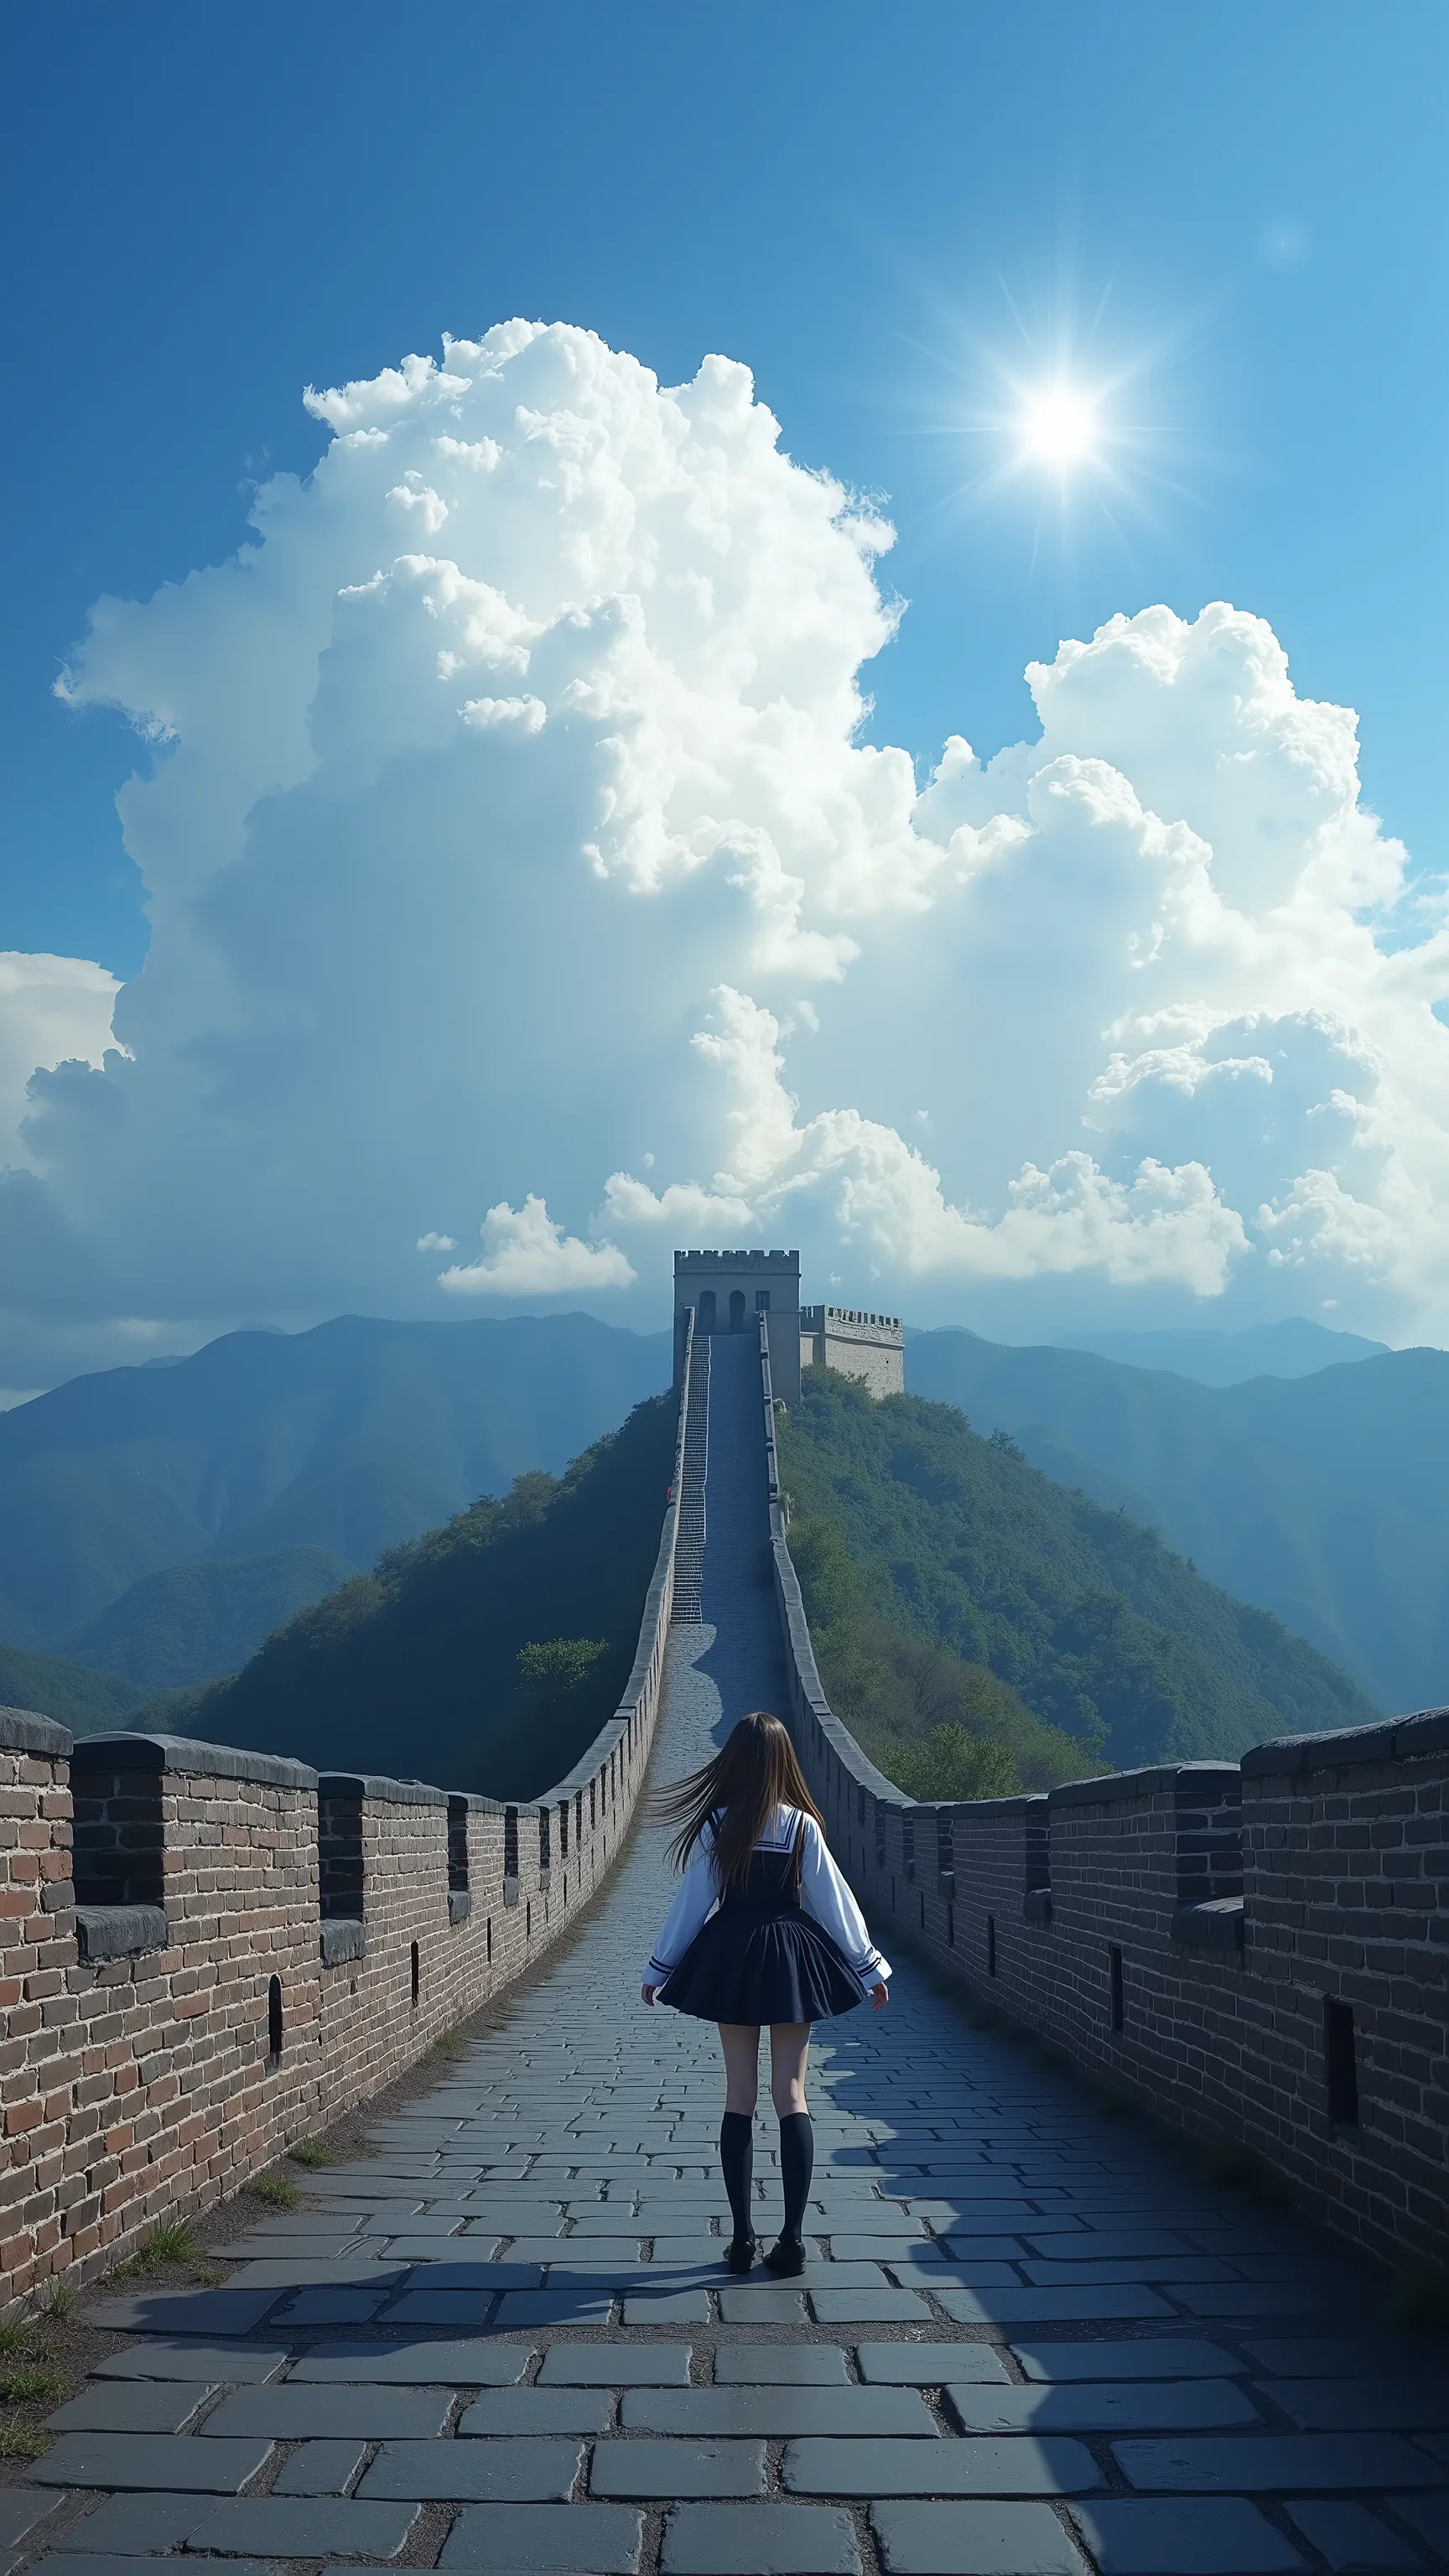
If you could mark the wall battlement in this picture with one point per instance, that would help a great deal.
(207, 1953)
(1256, 1952)
(869, 1347)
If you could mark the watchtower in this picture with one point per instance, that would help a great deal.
(729, 1291)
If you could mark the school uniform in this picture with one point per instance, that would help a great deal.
(773, 1948)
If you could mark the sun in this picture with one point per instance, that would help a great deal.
(1059, 425)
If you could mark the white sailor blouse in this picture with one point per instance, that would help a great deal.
(823, 1893)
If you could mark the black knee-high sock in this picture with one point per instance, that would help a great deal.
(737, 2163)
(797, 2164)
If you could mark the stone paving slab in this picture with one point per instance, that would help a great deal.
(1278, 2463)
(547, 2540)
(667, 2308)
(172, 2464)
(868, 2307)
(1429, 2516)
(929, 2365)
(1199, 2536)
(68, 2563)
(615, 2365)
(1353, 2541)
(974, 2540)
(435, 2364)
(1155, 2357)
(299, 2527)
(1138, 2406)
(539, 2410)
(659, 2471)
(319, 2469)
(781, 2365)
(1049, 2307)
(1369, 2356)
(131, 2406)
(755, 2304)
(776, 2414)
(1363, 2406)
(759, 2540)
(221, 2363)
(289, 2413)
(1052, 2466)
(199, 2312)
(520, 2471)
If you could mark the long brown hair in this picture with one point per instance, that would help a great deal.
(753, 1773)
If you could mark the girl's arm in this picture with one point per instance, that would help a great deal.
(692, 1907)
(830, 1901)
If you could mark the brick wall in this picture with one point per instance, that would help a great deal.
(1257, 1952)
(170, 1910)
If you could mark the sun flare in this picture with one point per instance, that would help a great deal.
(1059, 425)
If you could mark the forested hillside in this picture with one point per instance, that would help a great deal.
(1071, 1637)
(74, 1694)
(423, 1666)
(191, 1622)
(1322, 1499)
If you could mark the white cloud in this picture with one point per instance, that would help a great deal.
(503, 806)
(436, 1243)
(53, 1010)
(526, 1255)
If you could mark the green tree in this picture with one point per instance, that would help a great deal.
(550, 1671)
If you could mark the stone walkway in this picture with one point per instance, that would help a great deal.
(1027, 2344)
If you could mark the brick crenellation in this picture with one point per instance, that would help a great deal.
(169, 1910)
(1256, 1952)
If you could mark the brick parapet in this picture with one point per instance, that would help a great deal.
(1184, 1932)
(145, 2085)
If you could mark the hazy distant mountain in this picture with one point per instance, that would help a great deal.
(1320, 1498)
(348, 1439)
(192, 1621)
(1292, 1348)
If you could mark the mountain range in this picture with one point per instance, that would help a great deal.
(1320, 1498)
(156, 1523)
(162, 1521)
(1293, 1347)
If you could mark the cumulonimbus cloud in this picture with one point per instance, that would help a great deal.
(513, 842)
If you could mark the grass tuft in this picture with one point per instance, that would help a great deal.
(277, 2190)
(448, 2044)
(172, 2241)
(54, 2298)
(23, 2442)
(314, 2152)
(14, 2334)
(17, 2387)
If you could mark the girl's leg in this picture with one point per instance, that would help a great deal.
(740, 2042)
(789, 2048)
(789, 2043)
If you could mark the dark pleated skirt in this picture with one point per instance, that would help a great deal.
(762, 1958)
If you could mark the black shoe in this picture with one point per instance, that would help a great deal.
(787, 2256)
(743, 2254)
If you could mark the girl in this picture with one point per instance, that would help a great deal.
(740, 1948)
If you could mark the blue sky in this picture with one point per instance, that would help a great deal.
(1228, 227)
(213, 212)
